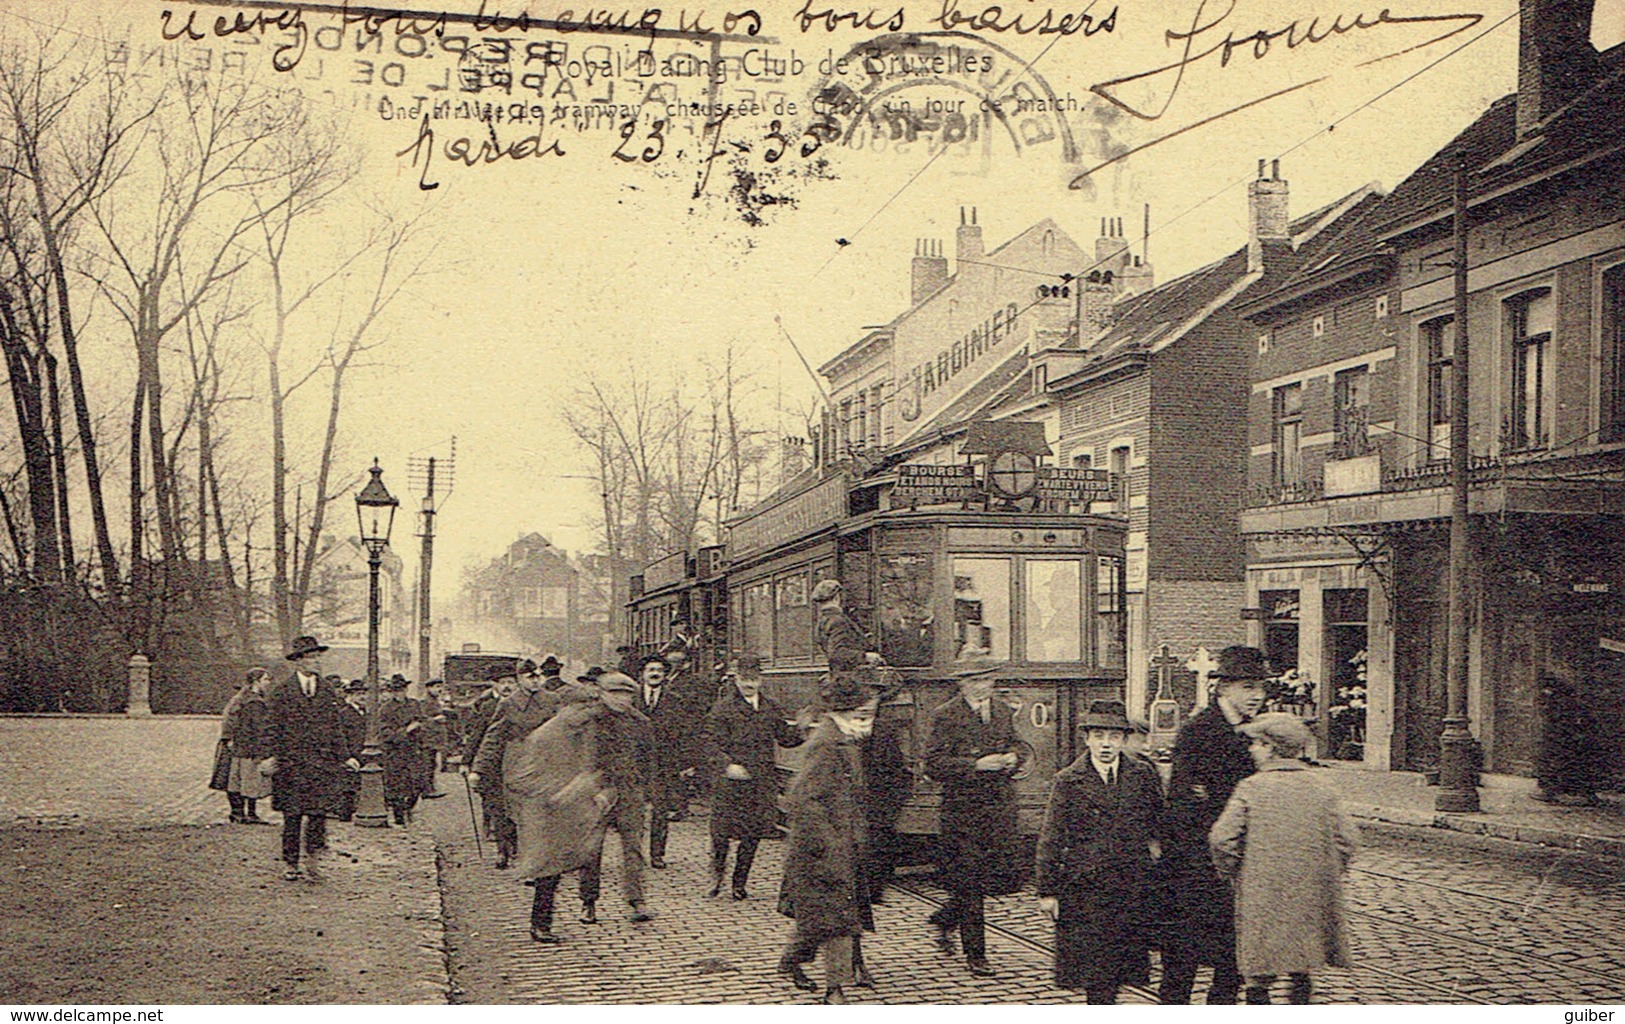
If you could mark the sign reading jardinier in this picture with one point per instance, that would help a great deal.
(807, 512)
(935, 485)
(1059, 483)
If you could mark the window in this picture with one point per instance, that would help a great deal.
(793, 618)
(1082, 460)
(903, 608)
(1263, 343)
(875, 436)
(1319, 326)
(1382, 307)
(759, 619)
(1528, 319)
(1352, 413)
(1118, 468)
(1111, 624)
(1053, 609)
(1613, 354)
(1288, 433)
(861, 434)
(981, 608)
(1040, 378)
(1439, 343)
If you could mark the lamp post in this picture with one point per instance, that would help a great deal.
(375, 515)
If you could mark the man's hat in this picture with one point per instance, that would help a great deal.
(840, 691)
(1238, 662)
(1107, 714)
(304, 646)
(355, 686)
(748, 664)
(624, 649)
(677, 617)
(646, 662)
(1141, 726)
(591, 675)
(551, 663)
(617, 682)
(826, 591)
(1285, 732)
(333, 678)
(526, 667)
(396, 682)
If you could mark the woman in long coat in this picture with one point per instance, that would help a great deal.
(823, 862)
(742, 729)
(251, 744)
(1094, 860)
(1284, 841)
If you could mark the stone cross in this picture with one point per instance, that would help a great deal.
(1203, 664)
(1163, 665)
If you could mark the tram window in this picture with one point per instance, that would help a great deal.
(759, 619)
(1054, 611)
(1110, 624)
(794, 618)
(981, 608)
(903, 608)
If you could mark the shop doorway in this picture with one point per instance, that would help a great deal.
(1345, 652)
(1419, 681)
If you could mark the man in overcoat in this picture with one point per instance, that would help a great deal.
(400, 732)
(1094, 859)
(666, 752)
(354, 692)
(742, 729)
(310, 754)
(1210, 758)
(513, 719)
(972, 753)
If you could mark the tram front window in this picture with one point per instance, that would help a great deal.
(981, 608)
(1054, 609)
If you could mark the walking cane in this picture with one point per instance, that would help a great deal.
(474, 819)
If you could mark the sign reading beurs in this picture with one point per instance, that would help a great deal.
(820, 506)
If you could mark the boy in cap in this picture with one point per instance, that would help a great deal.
(1094, 859)
(1210, 758)
(1284, 842)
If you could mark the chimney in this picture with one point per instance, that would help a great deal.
(969, 241)
(1111, 248)
(1556, 61)
(1267, 214)
(929, 270)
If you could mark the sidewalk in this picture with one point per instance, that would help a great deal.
(1509, 810)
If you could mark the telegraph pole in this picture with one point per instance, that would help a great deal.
(424, 571)
(1457, 791)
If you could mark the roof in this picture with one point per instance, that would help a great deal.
(1349, 248)
(961, 410)
(1578, 132)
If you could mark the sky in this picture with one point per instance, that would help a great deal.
(555, 269)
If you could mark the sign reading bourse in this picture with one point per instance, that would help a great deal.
(1059, 483)
(820, 506)
(935, 485)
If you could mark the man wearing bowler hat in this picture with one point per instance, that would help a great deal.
(972, 753)
(1210, 758)
(310, 754)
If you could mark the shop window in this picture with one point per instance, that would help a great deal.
(981, 608)
(1528, 319)
(1288, 434)
(1346, 649)
(903, 585)
(1111, 620)
(1439, 342)
(759, 619)
(1280, 629)
(1613, 353)
(1053, 610)
(793, 618)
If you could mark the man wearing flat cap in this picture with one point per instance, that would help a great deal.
(1209, 759)
(972, 754)
(1094, 859)
(310, 755)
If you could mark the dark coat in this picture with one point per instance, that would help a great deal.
(842, 642)
(1094, 855)
(979, 816)
(251, 739)
(1198, 907)
(308, 738)
(670, 742)
(400, 729)
(472, 726)
(737, 733)
(512, 719)
(823, 877)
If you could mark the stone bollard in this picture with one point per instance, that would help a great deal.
(140, 705)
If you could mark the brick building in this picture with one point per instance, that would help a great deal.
(535, 598)
(1348, 517)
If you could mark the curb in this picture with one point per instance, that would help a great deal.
(1607, 846)
(428, 912)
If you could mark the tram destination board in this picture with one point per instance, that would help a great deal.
(935, 485)
(1067, 484)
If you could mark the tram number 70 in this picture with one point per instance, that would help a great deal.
(1040, 714)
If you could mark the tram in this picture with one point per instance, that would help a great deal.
(945, 568)
(680, 603)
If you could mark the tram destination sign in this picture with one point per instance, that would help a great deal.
(1060, 483)
(812, 510)
(663, 573)
(935, 485)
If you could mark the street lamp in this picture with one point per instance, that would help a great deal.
(375, 516)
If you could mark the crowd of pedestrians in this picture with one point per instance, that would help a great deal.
(1230, 857)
